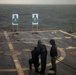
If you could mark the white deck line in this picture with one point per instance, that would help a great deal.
(15, 59)
(67, 33)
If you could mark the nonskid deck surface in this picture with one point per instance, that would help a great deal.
(15, 51)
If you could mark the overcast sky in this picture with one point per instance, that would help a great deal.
(37, 1)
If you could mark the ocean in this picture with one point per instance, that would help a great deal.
(51, 17)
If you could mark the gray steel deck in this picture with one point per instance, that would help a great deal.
(15, 51)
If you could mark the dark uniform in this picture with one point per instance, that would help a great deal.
(43, 52)
(53, 54)
(35, 59)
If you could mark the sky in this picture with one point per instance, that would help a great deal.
(37, 1)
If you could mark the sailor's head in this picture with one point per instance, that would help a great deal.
(52, 42)
(39, 42)
(35, 48)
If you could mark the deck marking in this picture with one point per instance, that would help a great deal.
(53, 31)
(74, 53)
(67, 33)
(56, 38)
(70, 47)
(8, 70)
(16, 61)
(67, 37)
(26, 50)
(63, 54)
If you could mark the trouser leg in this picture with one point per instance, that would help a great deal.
(30, 64)
(36, 64)
(53, 61)
(43, 64)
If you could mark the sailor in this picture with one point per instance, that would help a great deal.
(43, 53)
(35, 59)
